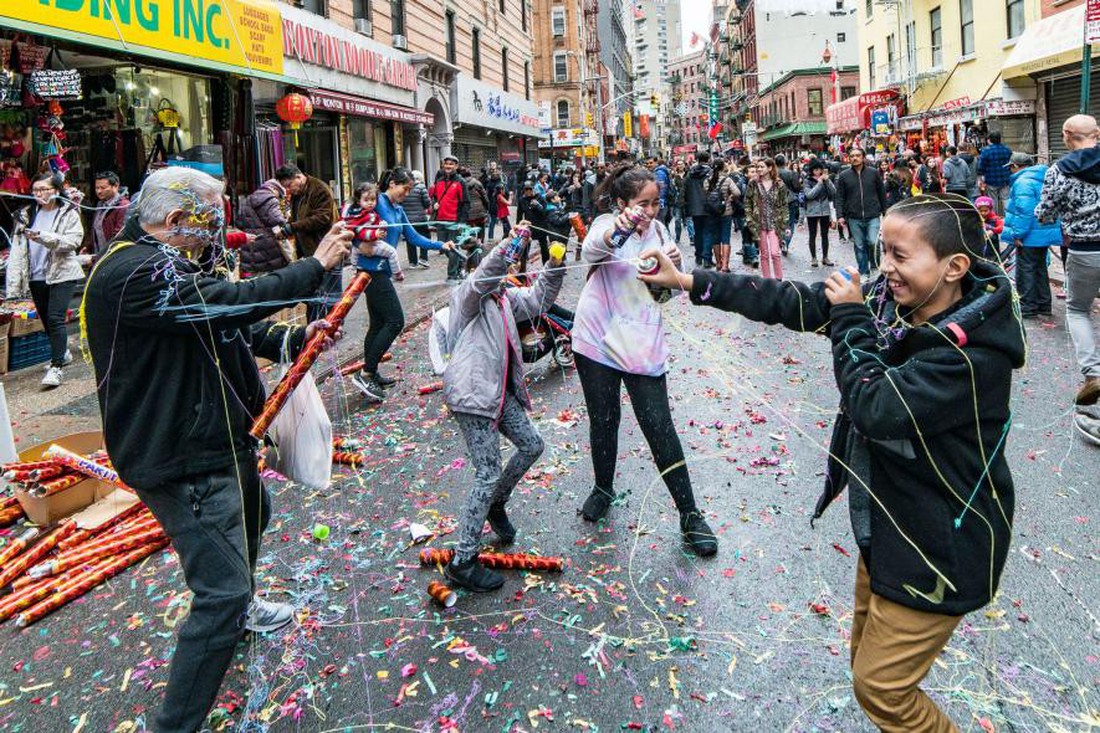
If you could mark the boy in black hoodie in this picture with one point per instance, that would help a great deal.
(923, 358)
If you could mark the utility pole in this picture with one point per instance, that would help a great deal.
(1091, 35)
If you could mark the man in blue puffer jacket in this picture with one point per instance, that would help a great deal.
(1032, 239)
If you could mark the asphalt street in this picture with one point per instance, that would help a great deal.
(637, 633)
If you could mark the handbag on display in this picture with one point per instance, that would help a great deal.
(51, 84)
(27, 56)
(167, 114)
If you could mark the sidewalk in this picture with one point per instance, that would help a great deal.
(39, 415)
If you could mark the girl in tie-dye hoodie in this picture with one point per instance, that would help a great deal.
(618, 338)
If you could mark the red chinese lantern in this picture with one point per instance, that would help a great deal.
(294, 109)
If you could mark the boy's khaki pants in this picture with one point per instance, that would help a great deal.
(893, 647)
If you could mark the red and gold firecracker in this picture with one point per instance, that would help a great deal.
(123, 517)
(308, 356)
(429, 388)
(56, 485)
(18, 565)
(10, 516)
(17, 545)
(442, 595)
(348, 458)
(31, 594)
(497, 560)
(25, 466)
(80, 557)
(140, 525)
(84, 582)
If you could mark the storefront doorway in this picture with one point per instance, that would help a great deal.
(317, 153)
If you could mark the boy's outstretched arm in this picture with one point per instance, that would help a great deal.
(796, 305)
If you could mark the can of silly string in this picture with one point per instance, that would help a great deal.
(619, 236)
(514, 250)
(650, 266)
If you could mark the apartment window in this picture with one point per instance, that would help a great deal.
(891, 53)
(360, 9)
(523, 15)
(318, 7)
(1015, 18)
(476, 48)
(935, 18)
(966, 13)
(527, 80)
(397, 17)
(561, 67)
(847, 93)
(911, 46)
(840, 4)
(871, 67)
(814, 102)
(557, 22)
(870, 8)
(452, 52)
(841, 37)
(563, 113)
(504, 68)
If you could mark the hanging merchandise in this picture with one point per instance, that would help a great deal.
(294, 109)
(27, 56)
(53, 130)
(49, 83)
(11, 85)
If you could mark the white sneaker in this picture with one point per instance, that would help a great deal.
(52, 378)
(65, 361)
(265, 616)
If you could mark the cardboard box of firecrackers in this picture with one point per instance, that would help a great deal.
(67, 532)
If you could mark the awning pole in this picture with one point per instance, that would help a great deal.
(1086, 74)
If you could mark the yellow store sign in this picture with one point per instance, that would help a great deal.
(245, 34)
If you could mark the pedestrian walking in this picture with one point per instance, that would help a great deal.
(266, 213)
(110, 211)
(619, 338)
(1071, 195)
(484, 389)
(451, 208)
(819, 192)
(313, 212)
(695, 205)
(376, 253)
(930, 493)
(1031, 237)
(178, 397)
(993, 177)
(722, 225)
(793, 181)
(43, 263)
(860, 203)
(766, 214)
(418, 207)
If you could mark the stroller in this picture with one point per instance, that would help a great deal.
(549, 333)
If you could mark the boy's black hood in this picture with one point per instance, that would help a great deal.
(699, 170)
(985, 316)
(1082, 164)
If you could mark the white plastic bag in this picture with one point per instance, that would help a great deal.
(302, 433)
(438, 348)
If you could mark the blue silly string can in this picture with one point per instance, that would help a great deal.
(619, 236)
(520, 236)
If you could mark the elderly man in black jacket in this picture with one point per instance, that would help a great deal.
(860, 204)
(173, 350)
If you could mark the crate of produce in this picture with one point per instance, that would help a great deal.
(25, 351)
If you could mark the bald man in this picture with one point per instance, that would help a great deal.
(1071, 193)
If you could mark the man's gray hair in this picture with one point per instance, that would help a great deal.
(173, 188)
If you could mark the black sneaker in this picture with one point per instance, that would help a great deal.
(383, 380)
(474, 576)
(367, 384)
(596, 505)
(698, 534)
(498, 520)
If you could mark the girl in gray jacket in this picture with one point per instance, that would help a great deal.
(819, 193)
(484, 388)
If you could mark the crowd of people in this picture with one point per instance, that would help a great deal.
(931, 303)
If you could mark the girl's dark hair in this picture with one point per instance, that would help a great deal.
(950, 223)
(398, 175)
(364, 188)
(54, 179)
(623, 182)
(717, 169)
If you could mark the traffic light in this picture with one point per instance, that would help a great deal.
(654, 100)
(588, 119)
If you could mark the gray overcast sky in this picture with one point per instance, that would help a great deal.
(694, 16)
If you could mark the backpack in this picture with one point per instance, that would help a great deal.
(715, 202)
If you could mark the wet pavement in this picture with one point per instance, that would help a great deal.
(636, 634)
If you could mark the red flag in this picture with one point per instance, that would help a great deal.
(695, 38)
(832, 86)
(643, 125)
(715, 129)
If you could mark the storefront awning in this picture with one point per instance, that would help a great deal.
(854, 113)
(795, 129)
(357, 106)
(1048, 44)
